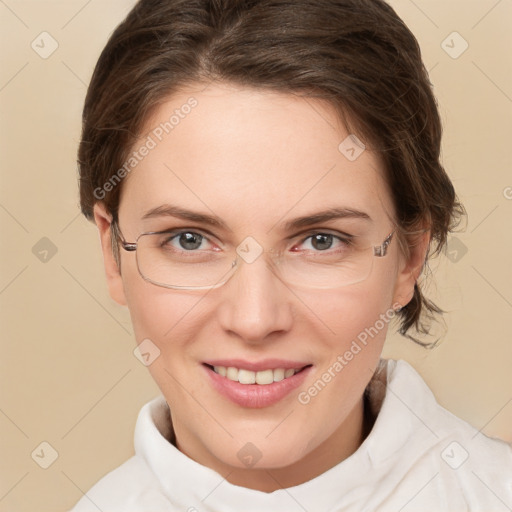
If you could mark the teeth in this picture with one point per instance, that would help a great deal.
(264, 377)
(246, 377)
(232, 373)
(250, 377)
(221, 370)
(278, 374)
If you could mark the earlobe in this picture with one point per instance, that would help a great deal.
(103, 221)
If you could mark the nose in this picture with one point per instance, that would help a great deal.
(255, 303)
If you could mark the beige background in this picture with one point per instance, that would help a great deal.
(68, 373)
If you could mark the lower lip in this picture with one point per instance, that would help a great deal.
(256, 395)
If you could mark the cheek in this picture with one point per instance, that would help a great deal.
(355, 321)
(359, 323)
(169, 320)
(159, 313)
(350, 313)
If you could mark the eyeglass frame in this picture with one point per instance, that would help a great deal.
(379, 251)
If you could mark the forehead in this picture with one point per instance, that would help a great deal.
(251, 154)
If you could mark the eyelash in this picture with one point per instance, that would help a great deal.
(344, 238)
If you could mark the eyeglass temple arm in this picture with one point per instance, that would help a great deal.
(127, 246)
(381, 250)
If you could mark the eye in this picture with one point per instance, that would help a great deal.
(319, 242)
(185, 241)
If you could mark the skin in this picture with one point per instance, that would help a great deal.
(257, 159)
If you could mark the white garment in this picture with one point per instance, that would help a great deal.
(412, 460)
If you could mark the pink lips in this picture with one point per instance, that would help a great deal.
(256, 395)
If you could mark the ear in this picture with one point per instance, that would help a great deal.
(411, 265)
(114, 280)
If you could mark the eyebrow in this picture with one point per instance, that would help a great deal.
(325, 216)
(167, 210)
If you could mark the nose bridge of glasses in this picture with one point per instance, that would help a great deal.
(251, 254)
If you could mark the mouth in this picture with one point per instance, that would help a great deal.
(258, 387)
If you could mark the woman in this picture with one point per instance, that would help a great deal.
(265, 178)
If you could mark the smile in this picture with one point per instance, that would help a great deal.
(255, 388)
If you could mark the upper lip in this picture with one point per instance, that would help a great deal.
(256, 366)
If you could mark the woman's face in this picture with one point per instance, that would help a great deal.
(255, 161)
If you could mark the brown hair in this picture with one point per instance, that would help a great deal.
(356, 54)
